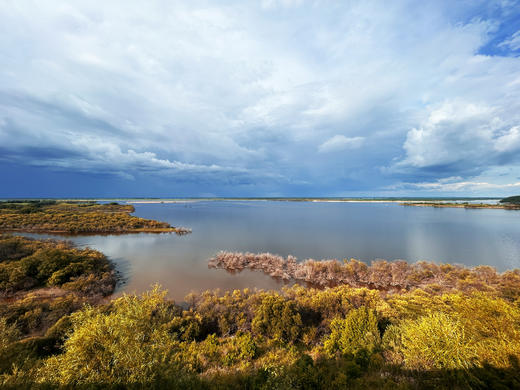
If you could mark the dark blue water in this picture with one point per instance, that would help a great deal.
(365, 231)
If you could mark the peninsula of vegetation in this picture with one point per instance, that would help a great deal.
(55, 217)
(388, 277)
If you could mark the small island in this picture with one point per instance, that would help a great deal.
(59, 217)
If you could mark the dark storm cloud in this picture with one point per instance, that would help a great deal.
(262, 98)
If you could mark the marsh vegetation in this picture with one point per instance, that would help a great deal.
(391, 327)
(77, 218)
(300, 338)
(393, 276)
(41, 283)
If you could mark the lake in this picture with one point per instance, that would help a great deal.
(319, 230)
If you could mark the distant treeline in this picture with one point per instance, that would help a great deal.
(25, 206)
(511, 199)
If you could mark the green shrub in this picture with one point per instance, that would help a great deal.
(51, 263)
(357, 334)
(8, 334)
(278, 319)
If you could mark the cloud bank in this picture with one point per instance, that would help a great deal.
(259, 98)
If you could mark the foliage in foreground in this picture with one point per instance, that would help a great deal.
(302, 338)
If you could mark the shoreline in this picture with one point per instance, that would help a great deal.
(179, 231)
(463, 205)
(256, 199)
(310, 200)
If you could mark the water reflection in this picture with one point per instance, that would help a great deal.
(317, 230)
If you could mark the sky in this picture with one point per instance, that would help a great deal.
(163, 98)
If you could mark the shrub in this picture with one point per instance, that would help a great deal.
(356, 334)
(124, 345)
(8, 334)
(436, 341)
(241, 349)
(278, 319)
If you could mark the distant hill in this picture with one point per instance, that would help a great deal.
(511, 199)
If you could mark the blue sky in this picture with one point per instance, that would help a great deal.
(259, 98)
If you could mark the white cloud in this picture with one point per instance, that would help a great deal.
(253, 87)
(509, 141)
(454, 131)
(462, 135)
(339, 143)
(513, 43)
(280, 3)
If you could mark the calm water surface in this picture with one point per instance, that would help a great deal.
(365, 231)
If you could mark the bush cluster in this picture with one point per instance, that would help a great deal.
(27, 264)
(302, 338)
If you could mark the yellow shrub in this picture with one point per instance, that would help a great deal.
(436, 341)
(126, 345)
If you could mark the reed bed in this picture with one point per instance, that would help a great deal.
(380, 274)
